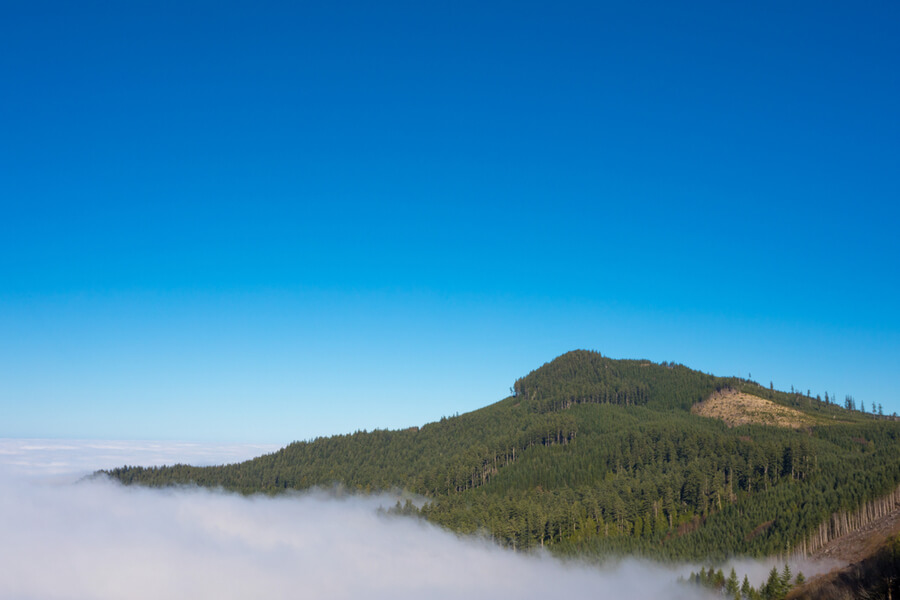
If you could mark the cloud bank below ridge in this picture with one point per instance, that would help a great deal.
(99, 540)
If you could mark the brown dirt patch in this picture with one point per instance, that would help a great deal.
(738, 408)
(861, 543)
(759, 529)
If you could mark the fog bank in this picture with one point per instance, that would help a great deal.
(97, 539)
(72, 459)
(101, 540)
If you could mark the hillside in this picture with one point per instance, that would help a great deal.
(592, 456)
(737, 408)
(875, 575)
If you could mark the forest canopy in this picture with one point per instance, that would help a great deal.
(592, 456)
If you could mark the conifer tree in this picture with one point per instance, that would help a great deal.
(772, 588)
(732, 587)
(718, 579)
(786, 577)
(746, 588)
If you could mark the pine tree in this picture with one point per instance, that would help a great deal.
(718, 579)
(772, 588)
(746, 588)
(786, 577)
(732, 587)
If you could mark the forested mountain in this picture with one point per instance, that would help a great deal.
(592, 455)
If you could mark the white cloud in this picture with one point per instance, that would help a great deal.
(101, 540)
(72, 459)
(98, 540)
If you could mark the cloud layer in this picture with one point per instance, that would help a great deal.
(70, 459)
(99, 540)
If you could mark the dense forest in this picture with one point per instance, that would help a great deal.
(592, 456)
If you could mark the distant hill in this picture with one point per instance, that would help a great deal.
(592, 456)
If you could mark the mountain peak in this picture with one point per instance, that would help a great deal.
(585, 376)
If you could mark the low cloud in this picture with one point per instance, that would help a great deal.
(97, 539)
(757, 571)
(71, 459)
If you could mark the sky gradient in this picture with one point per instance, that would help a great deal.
(260, 224)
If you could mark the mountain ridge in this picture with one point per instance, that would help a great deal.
(593, 455)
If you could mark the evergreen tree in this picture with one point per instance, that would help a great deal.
(771, 590)
(746, 588)
(786, 578)
(718, 580)
(732, 587)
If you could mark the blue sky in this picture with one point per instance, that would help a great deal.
(270, 222)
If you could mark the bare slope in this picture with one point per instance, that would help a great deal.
(738, 408)
(883, 523)
(872, 570)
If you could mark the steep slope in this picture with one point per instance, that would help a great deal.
(876, 575)
(593, 455)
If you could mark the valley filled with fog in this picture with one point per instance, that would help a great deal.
(64, 536)
(67, 537)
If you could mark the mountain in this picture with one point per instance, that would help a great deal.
(592, 456)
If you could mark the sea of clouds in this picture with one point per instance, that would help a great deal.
(69, 460)
(64, 537)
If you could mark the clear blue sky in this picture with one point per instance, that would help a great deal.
(270, 221)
